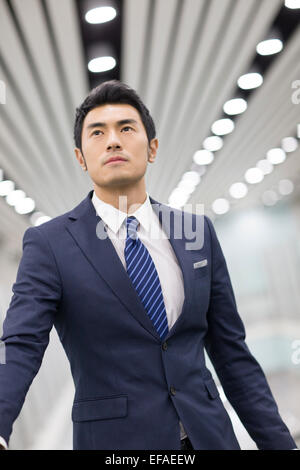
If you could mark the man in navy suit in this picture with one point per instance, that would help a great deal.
(134, 305)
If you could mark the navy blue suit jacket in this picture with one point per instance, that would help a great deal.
(132, 389)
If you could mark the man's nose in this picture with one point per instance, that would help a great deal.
(113, 141)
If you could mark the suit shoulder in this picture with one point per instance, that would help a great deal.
(51, 228)
(54, 223)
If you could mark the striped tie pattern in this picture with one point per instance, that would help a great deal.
(144, 277)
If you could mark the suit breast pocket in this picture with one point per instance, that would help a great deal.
(200, 272)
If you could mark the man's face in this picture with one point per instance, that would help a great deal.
(115, 130)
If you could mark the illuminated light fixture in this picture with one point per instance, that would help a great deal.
(186, 186)
(249, 81)
(265, 166)
(213, 143)
(34, 216)
(220, 206)
(235, 106)
(25, 206)
(6, 187)
(254, 176)
(100, 15)
(238, 190)
(42, 220)
(101, 64)
(178, 198)
(38, 218)
(289, 144)
(276, 156)
(100, 57)
(292, 4)
(222, 127)
(285, 187)
(203, 157)
(192, 176)
(269, 198)
(14, 197)
(269, 47)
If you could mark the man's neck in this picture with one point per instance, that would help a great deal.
(126, 200)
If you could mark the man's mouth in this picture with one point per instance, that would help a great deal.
(115, 160)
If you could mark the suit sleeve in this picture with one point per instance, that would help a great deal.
(242, 378)
(28, 322)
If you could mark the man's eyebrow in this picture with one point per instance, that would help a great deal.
(119, 123)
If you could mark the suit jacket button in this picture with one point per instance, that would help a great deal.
(165, 346)
(172, 390)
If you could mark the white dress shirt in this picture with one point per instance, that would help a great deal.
(156, 241)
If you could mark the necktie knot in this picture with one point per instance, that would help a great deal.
(132, 224)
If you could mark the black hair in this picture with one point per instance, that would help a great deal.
(112, 92)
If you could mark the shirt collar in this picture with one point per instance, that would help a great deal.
(114, 218)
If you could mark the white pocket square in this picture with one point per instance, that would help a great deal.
(200, 264)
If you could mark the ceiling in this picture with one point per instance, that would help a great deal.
(183, 57)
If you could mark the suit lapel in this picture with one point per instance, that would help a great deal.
(86, 224)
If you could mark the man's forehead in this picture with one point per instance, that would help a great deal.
(112, 113)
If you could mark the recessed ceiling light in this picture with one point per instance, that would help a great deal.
(213, 143)
(250, 81)
(222, 127)
(269, 47)
(235, 106)
(100, 15)
(25, 206)
(293, 4)
(38, 218)
(238, 190)
(192, 176)
(220, 206)
(14, 197)
(6, 187)
(254, 176)
(265, 166)
(289, 144)
(186, 186)
(203, 157)
(269, 198)
(178, 198)
(276, 156)
(42, 220)
(286, 187)
(101, 64)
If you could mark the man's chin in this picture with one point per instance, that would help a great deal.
(116, 183)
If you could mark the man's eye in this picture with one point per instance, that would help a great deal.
(127, 127)
(96, 132)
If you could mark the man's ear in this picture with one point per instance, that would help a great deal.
(152, 150)
(80, 158)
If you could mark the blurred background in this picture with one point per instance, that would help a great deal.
(222, 82)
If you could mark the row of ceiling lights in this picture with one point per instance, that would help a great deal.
(105, 63)
(17, 198)
(256, 175)
(100, 15)
(21, 203)
(222, 127)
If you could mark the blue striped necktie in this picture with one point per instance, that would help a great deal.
(144, 277)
